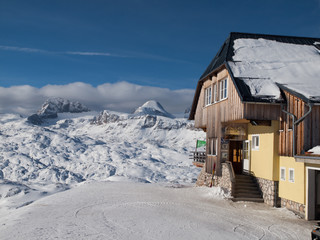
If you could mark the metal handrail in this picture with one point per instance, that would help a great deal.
(233, 176)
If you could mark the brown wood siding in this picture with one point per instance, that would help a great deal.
(257, 111)
(230, 109)
(307, 132)
(200, 115)
(210, 162)
(311, 128)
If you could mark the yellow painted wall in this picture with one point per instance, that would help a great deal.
(288, 190)
(265, 161)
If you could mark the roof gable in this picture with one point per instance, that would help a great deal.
(260, 65)
(258, 62)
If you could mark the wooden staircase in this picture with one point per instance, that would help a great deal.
(246, 189)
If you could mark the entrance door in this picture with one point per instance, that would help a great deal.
(246, 156)
(317, 193)
(235, 153)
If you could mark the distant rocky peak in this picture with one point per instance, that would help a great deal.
(152, 108)
(105, 117)
(52, 106)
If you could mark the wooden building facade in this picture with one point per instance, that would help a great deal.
(260, 136)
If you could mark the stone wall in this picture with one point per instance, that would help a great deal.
(204, 179)
(297, 208)
(223, 181)
(269, 191)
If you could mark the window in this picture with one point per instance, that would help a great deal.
(246, 150)
(223, 89)
(215, 93)
(255, 142)
(282, 173)
(212, 146)
(207, 96)
(291, 175)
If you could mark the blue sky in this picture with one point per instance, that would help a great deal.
(164, 44)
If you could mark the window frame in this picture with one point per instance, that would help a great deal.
(215, 93)
(283, 177)
(254, 145)
(223, 87)
(212, 146)
(208, 96)
(289, 177)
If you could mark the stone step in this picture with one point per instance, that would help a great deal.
(245, 180)
(246, 187)
(243, 185)
(248, 191)
(243, 176)
(247, 195)
(238, 199)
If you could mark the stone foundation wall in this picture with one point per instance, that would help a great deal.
(204, 179)
(297, 208)
(269, 191)
(224, 181)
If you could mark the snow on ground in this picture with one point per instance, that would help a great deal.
(127, 210)
(36, 161)
(262, 63)
(86, 175)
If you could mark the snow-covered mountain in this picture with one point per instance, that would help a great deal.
(152, 108)
(78, 147)
(60, 105)
(52, 106)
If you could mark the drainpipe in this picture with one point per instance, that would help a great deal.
(294, 123)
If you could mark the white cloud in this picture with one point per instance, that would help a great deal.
(22, 49)
(121, 96)
(88, 53)
(36, 50)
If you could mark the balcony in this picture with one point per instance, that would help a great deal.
(198, 158)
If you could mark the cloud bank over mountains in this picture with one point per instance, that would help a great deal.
(120, 96)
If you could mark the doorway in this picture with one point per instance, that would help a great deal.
(313, 194)
(317, 195)
(235, 155)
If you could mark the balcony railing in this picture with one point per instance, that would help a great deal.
(198, 158)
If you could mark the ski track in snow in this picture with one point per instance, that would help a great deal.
(127, 210)
(69, 152)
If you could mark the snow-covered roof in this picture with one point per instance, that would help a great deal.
(262, 63)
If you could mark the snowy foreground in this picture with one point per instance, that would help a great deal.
(119, 176)
(81, 147)
(126, 210)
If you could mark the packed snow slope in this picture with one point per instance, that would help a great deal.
(36, 160)
(136, 211)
